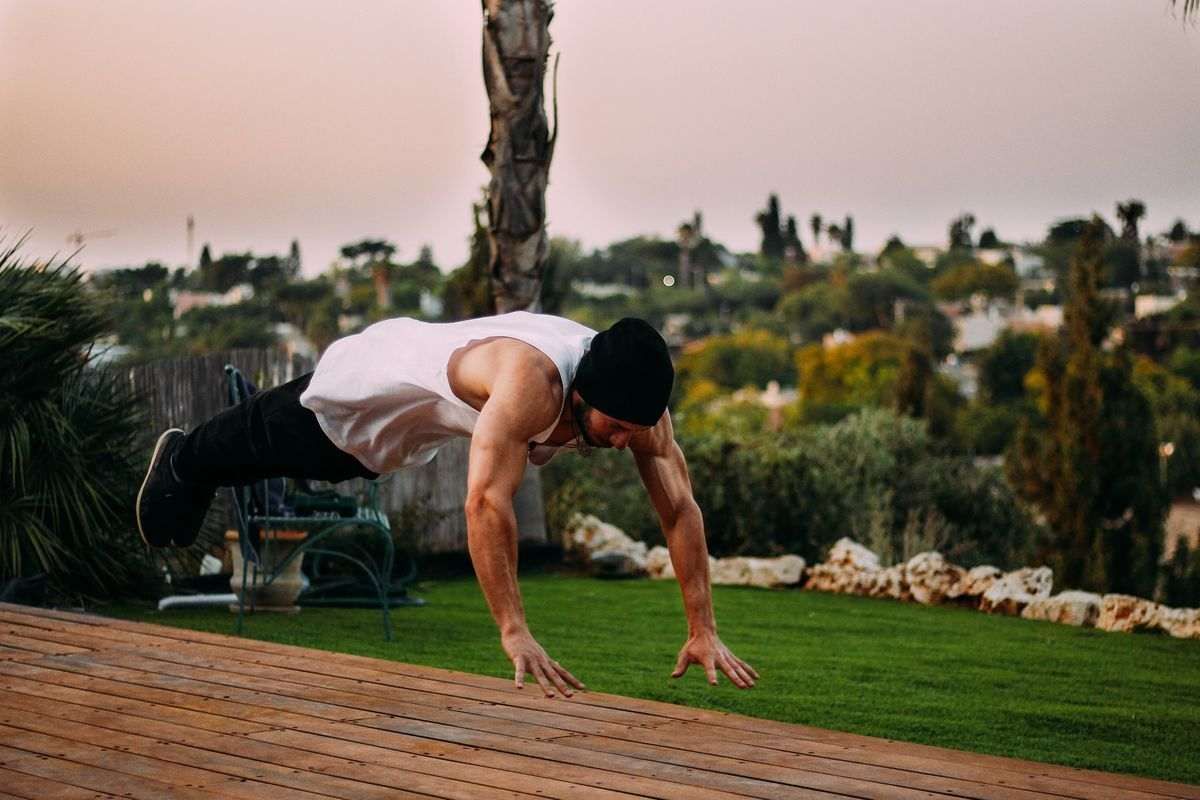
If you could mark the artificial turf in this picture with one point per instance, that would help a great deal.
(936, 675)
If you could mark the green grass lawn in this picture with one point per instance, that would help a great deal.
(941, 676)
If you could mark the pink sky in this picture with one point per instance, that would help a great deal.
(329, 122)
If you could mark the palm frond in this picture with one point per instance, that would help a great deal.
(69, 435)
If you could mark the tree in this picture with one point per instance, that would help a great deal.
(872, 298)
(814, 311)
(1178, 232)
(860, 372)
(1189, 7)
(833, 232)
(793, 248)
(814, 222)
(894, 244)
(293, 259)
(520, 147)
(995, 281)
(745, 358)
(1130, 212)
(377, 255)
(848, 234)
(230, 270)
(769, 223)
(988, 240)
(70, 441)
(1090, 461)
(1004, 365)
(205, 256)
(960, 232)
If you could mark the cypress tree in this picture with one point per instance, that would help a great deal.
(772, 233)
(1090, 462)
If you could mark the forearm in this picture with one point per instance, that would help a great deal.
(492, 543)
(689, 558)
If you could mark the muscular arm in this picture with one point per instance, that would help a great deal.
(509, 418)
(664, 472)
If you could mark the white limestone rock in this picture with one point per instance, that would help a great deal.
(1012, 592)
(849, 569)
(762, 572)
(837, 579)
(608, 550)
(972, 586)
(1066, 608)
(1182, 623)
(730, 572)
(889, 582)
(848, 553)
(930, 578)
(1123, 613)
(658, 563)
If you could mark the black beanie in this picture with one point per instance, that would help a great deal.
(627, 373)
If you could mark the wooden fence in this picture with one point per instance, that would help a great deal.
(184, 392)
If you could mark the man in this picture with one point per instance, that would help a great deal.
(521, 386)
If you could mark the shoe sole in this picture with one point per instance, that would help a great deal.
(158, 446)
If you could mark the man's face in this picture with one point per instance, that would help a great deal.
(601, 430)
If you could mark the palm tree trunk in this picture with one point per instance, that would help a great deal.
(516, 41)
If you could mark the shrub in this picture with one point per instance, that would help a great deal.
(875, 476)
(68, 441)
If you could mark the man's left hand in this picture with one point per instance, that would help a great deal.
(707, 650)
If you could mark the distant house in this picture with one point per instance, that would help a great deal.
(927, 253)
(965, 375)
(992, 256)
(1147, 305)
(600, 291)
(1183, 525)
(185, 301)
(977, 328)
(1028, 264)
(431, 305)
(1042, 318)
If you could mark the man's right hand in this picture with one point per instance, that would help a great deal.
(529, 657)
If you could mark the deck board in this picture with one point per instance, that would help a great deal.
(95, 707)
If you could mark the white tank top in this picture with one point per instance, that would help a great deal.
(383, 395)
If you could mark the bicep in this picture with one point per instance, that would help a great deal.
(499, 446)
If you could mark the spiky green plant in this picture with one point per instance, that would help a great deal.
(69, 435)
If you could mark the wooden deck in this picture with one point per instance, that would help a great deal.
(98, 708)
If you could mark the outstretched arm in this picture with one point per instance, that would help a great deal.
(664, 472)
(497, 463)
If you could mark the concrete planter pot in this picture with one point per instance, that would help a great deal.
(280, 594)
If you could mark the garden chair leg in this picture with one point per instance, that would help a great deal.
(242, 598)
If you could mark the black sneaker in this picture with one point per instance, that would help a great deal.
(169, 510)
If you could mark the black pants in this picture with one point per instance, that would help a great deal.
(269, 435)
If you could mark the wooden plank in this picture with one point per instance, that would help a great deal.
(52, 694)
(785, 737)
(832, 759)
(294, 759)
(180, 700)
(337, 691)
(231, 700)
(32, 787)
(302, 782)
(118, 759)
(252, 703)
(18, 642)
(84, 642)
(648, 780)
(107, 717)
(537, 724)
(57, 769)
